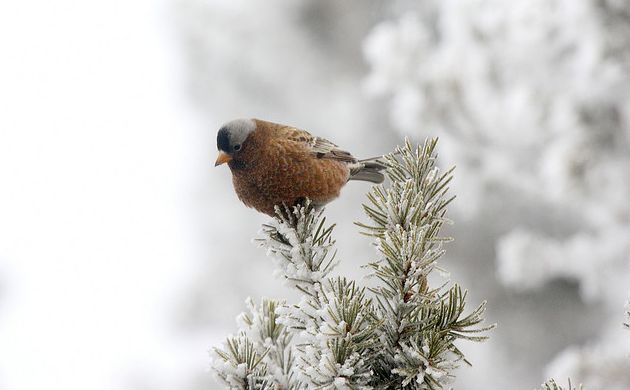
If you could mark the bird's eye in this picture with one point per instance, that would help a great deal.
(237, 147)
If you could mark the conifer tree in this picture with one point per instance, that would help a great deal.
(400, 333)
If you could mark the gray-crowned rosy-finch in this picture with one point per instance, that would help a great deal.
(274, 165)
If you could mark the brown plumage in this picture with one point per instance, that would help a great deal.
(274, 164)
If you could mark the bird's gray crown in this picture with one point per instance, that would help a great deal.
(233, 134)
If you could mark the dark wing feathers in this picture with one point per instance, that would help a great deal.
(320, 147)
(367, 170)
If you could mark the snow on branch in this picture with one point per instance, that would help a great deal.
(239, 366)
(337, 330)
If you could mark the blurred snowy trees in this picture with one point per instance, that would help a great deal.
(531, 95)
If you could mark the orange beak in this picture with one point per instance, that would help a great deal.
(222, 158)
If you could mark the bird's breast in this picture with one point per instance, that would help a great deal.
(284, 178)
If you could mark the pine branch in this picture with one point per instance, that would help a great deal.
(420, 324)
(239, 366)
(272, 340)
(301, 244)
(552, 385)
(338, 329)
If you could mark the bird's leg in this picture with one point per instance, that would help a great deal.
(284, 214)
(301, 202)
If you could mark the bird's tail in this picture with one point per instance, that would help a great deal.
(368, 170)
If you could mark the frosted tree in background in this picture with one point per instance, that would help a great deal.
(532, 100)
(531, 95)
(601, 369)
(399, 332)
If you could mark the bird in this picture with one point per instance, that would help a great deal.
(279, 165)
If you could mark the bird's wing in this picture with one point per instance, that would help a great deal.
(319, 147)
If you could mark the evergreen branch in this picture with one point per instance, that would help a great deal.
(301, 244)
(420, 324)
(240, 366)
(552, 385)
(272, 340)
(339, 328)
